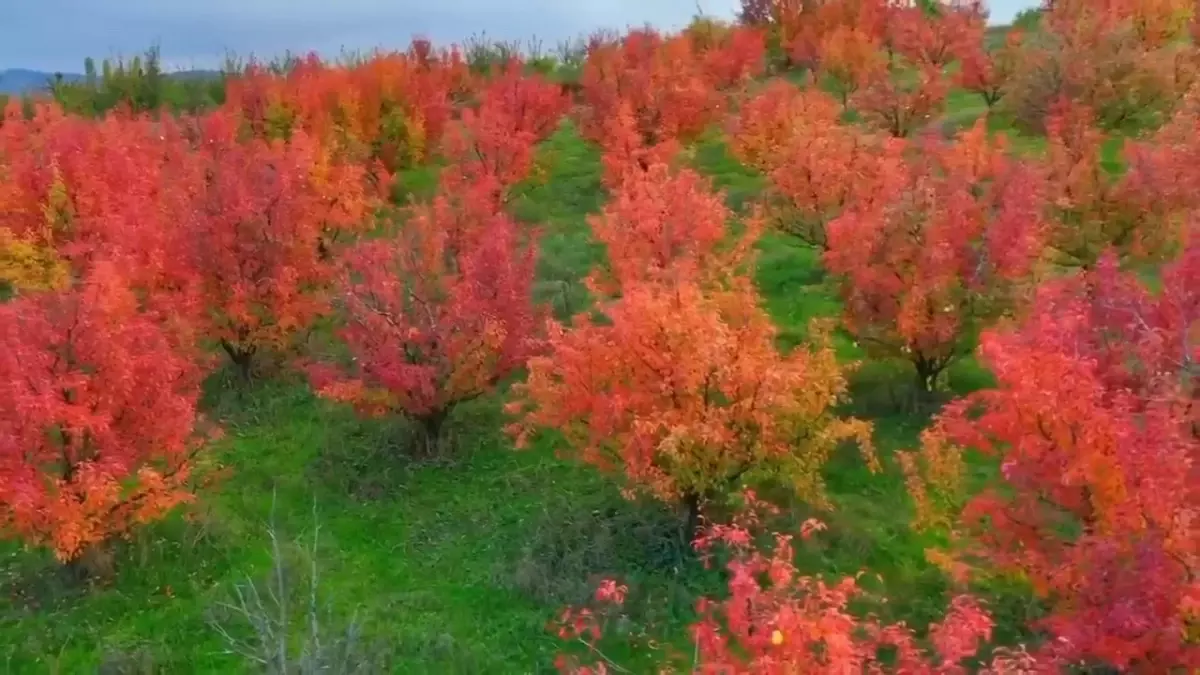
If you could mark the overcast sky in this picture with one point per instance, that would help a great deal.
(58, 34)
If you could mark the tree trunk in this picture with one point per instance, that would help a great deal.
(241, 357)
(692, 503)
(95, 564)
(431, 429)
(927, 376)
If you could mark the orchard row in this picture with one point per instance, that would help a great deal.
(139, 248)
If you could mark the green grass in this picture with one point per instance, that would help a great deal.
(459, 565)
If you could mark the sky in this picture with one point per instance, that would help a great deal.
(56, 35)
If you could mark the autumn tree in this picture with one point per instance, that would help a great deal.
(626, 154)
(98, 421)
(78, 189)
(850, 59)
(766, 122)
(1093, 209)
(805, 25)
(494, 142)
(900, 100)
(990, 72)
(682, 392)
(816, 166)
(934, 34)
(262, 214)
(1118, 58)
(730, 55)
(647, 242)
(434, 315)
(945, 253)
(1094, 424)
(662, 81)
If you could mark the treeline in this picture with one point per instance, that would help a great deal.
(143, 85)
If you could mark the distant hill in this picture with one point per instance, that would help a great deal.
(17, 81)
(24, 81)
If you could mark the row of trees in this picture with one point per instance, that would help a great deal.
(136, 247)
(934, 242)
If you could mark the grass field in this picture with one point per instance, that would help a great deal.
(457, 566)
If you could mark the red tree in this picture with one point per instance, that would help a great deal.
(989, 72)
(932, 262)
(97, 416)
(1137, 214)
(493, 144)
(1095, 424)
(765, 124)
(935, 38)
(850, 60)
(816, 166)
(661, 79)
(435, 315)
(258, 233)
(901, 102)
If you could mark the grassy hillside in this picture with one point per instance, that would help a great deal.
(456, 566)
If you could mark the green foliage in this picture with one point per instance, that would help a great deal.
(139, 83)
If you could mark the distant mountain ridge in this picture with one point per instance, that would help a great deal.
(24, 81)
(18, 81)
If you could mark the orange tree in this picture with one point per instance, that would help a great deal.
(681, 390)
(816, 167)
(1137, 213)
(661, 79)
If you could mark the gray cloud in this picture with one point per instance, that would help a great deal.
(58, 34)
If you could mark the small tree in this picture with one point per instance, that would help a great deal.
(900, 101)
(436, 315)
(935, 36)
(1093, 209)
(683, 393)
(850, 58)
(97, 417)
(816, 166)
(946, 253)
(495, 141)
(648, 242)
(661, 79)
(990, 72)
(259, 223)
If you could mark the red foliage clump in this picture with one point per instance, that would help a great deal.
(97, 416)
(661, 79)
(259, 229)
(1095, 424)
(944, 252)
(774, 620)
